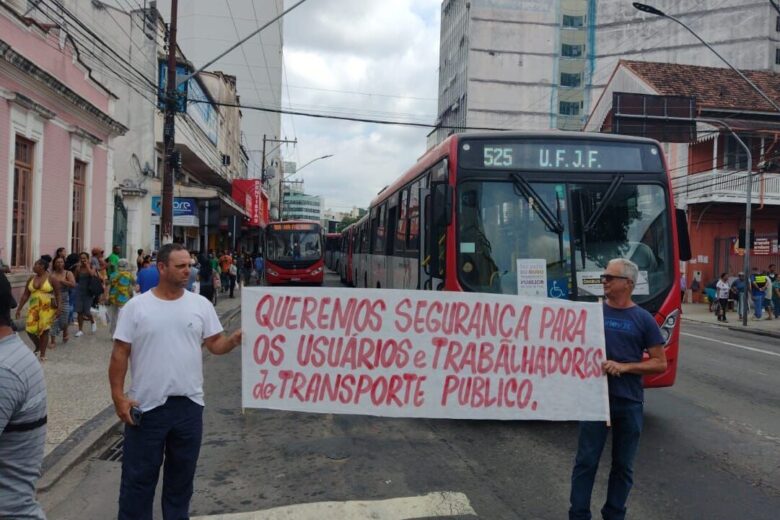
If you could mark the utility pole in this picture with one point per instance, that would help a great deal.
(169, 134)
(281, 174)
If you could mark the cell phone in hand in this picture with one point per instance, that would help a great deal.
(135, 415)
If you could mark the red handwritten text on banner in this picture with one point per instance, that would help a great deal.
(422, 354)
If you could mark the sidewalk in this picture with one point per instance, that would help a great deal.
(80, 409)
(699, 313)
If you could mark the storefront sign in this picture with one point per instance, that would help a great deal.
(185, 211)
(762, 246)
(422, 354)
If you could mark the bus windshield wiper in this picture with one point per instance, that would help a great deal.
(617, 180)
(549, 218)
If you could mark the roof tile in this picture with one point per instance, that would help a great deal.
(713, 87)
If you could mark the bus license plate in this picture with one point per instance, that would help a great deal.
(295, 279)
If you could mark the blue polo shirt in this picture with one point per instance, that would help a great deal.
(628, 333)
(148, 277)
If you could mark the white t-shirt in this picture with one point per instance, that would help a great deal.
(723, 289)
(165, 338)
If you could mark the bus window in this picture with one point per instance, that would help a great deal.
(378, 246)
(391, 223)
(400, 234)
(413, 242)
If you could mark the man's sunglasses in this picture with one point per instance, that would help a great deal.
(610, 277)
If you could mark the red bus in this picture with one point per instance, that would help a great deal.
(476, 204)
(294, 253)
(332, 242)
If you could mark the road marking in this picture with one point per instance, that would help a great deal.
(743, 347)
(446, 503)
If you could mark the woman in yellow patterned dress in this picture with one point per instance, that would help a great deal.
(43, 294)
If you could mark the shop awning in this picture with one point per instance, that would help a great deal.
(228, 204)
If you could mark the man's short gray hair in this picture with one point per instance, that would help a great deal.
(629, 268)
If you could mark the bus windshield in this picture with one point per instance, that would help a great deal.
(293, 246)
(574, 229)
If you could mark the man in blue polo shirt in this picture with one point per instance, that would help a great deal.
(629, 330)
(148, 277)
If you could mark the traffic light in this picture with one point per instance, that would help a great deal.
(741, 239)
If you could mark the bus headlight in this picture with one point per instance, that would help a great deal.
(667, 327)
(272, 272)
(316, 271)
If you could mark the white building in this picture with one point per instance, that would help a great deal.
(206, 133)
(207, 28)
(540, 64)
(298, 205)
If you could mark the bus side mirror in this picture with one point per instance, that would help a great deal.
(683, 240)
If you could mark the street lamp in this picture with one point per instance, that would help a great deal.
(284, 179)
(748, 196)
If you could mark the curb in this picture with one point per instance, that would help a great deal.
(81, 443)
(756, 332)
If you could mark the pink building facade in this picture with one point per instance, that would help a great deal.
(56, 178)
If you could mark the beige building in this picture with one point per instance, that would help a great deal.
(541, 64)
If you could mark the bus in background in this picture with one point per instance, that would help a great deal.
(331, 250)
(490, 212)
(345, 254)
(294, 253)
(359, 252)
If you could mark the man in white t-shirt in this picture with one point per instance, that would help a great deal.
(159, 335)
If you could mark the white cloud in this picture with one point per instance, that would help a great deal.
(337, 52)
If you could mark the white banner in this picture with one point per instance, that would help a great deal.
(422, 354)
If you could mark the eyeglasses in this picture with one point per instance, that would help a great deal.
(609, 277)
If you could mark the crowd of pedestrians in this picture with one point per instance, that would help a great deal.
(76, 290)
(762, 288)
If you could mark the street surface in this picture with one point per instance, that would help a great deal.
(710, 449)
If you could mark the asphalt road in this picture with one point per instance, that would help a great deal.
(710, 449)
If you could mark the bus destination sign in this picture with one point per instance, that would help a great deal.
(570, 156)
(294, 227)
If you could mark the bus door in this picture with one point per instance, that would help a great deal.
(436, 211)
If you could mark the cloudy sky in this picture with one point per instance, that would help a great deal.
(373, 59)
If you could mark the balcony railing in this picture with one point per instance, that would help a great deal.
(727, 186)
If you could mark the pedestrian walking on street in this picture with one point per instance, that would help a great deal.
(758, 282)
(148, 277)
(225, 261)
(206, 278)
(723, 289)
(260, 268)
(629, 330)
(22, 418)
(44, 297)
(120, 290)
(738, 293)
(66, 282)
(166, 323)
(86, 280)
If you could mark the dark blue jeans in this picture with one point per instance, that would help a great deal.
(758, 305)
(626, 416)
(173, 430)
